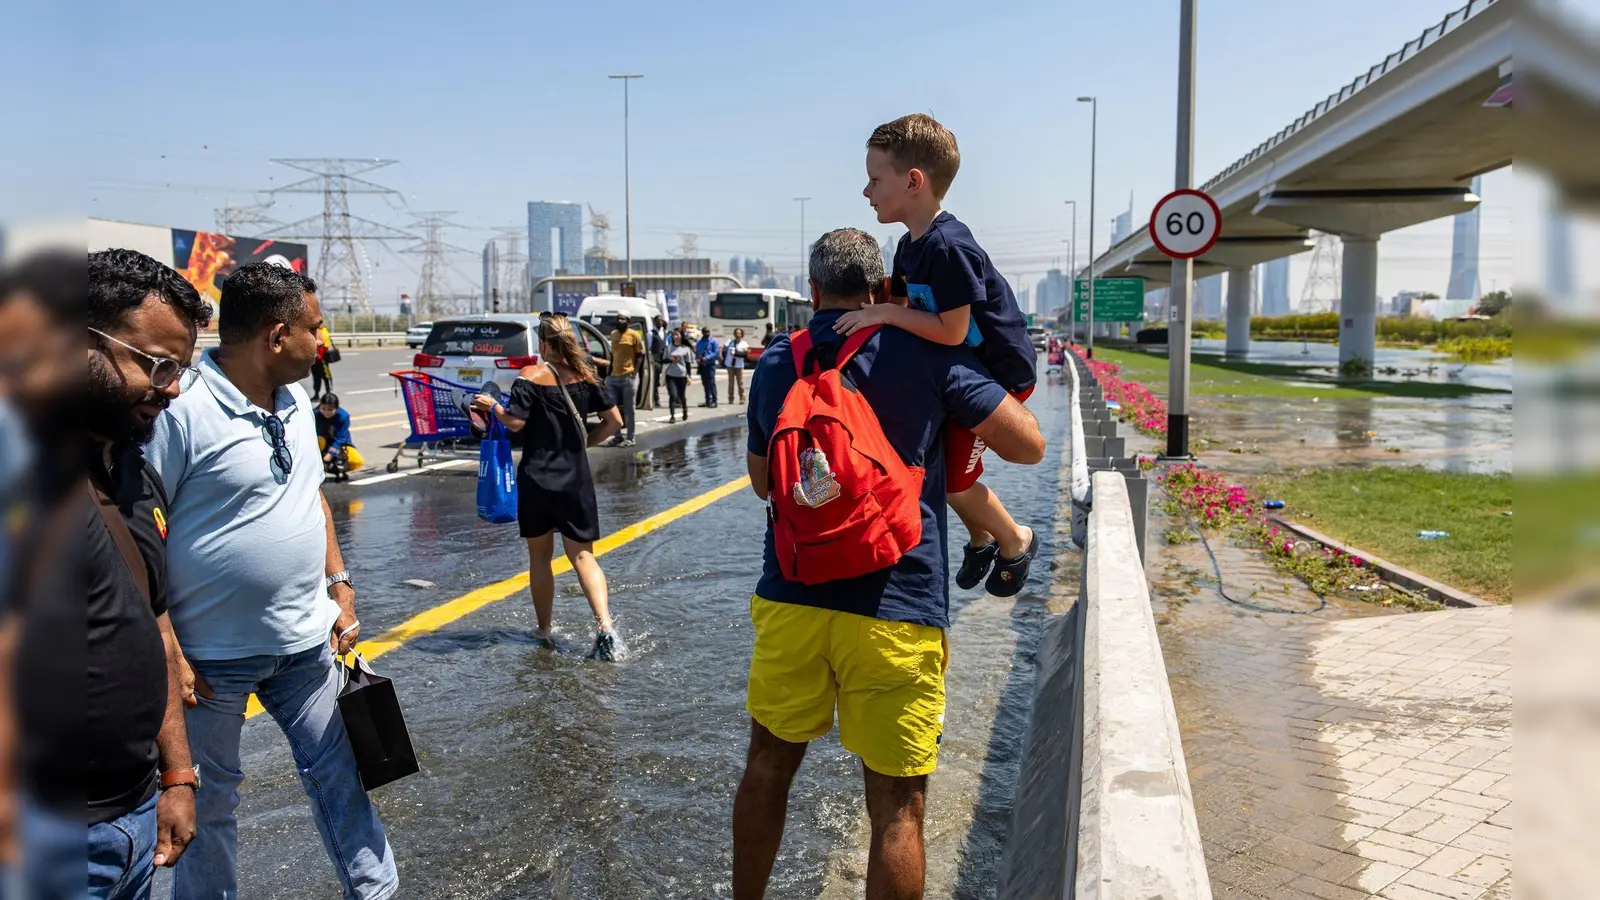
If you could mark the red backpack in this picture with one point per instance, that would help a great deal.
(843, 503)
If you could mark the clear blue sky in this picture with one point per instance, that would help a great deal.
(744, 106)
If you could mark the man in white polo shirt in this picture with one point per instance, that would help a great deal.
(253, 556)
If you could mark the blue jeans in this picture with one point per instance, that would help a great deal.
(708, 380)
(300, 692)
(122, 855)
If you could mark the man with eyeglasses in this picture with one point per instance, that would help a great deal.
(130, 750)
(261, 600)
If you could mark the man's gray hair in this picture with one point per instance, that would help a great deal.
(847, 263)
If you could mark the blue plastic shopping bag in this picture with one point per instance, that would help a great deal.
(497, 477)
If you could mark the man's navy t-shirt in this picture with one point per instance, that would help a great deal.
(913, 387)
(945, 269)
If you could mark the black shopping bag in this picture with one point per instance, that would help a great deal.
(377, 730)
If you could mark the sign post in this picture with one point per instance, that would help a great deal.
(1184, 225)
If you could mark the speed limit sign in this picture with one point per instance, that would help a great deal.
(1185, 224)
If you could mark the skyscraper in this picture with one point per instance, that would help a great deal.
(889, 244)
(555, 238)
(491, 273)
(1274, 281)
(1208, 298)
(1558, 278)
(1464, 254)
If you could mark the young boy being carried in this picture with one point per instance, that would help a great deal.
(954, 296)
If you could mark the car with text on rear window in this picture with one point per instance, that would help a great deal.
(491, 348)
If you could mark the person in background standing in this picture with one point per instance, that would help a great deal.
(555, 488)
(737, 351)
(679, 361)
(707, 351)
(661, 344)
(627, 352)
(767, 339)
(322, 371)
(261, 600)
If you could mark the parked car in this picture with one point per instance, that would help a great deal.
(492, 348)
(417, 335)
(1037, 336)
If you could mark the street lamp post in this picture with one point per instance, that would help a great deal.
(1072, 258)
(1094, 127)
(802, 202)
(627, 178)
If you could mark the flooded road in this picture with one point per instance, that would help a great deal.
(548, 775)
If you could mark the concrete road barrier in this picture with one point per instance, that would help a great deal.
(1104, 810)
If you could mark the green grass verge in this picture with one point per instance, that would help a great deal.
(1381, 509)
(1558, 542)
(1213, 375)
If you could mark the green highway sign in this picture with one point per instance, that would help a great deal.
(1115, 300)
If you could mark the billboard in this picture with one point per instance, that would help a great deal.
(205, 258)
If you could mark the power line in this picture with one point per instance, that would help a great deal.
(340, 272)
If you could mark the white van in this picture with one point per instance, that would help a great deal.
(603, 310)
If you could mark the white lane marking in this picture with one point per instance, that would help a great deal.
(390, 476)
(382, 390)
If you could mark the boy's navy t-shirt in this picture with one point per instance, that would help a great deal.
(945, 269)
(913, 386)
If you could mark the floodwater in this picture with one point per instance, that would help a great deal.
(1392, 363)
(548, 775)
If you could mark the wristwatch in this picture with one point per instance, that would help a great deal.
(337, 577)
(181, 778)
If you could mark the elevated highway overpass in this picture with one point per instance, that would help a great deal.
(1397, 146)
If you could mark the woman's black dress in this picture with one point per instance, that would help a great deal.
(555, 490)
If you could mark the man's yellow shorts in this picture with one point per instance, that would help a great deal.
(887, 679)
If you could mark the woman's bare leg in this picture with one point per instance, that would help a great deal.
(541, 581)
(591, 579)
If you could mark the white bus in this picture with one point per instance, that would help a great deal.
(752, 309)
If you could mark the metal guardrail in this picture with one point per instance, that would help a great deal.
(343, 339)
(1428, 37)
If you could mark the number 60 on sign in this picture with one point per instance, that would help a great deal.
(1185, 224)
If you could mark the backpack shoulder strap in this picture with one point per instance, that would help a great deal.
(854, 343)
(121, 536)
(800, 345)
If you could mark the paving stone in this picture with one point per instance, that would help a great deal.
(1322, 890)
(1444, 887)
(1450, 860)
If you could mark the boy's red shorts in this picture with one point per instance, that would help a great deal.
(963, 454)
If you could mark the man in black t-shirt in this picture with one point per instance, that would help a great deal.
(142, 319)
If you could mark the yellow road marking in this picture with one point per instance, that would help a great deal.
(430, 620)
(382, 415)
(387, 424)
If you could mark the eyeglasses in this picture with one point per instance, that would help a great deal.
(558, 314)
(163, 371)
(280, 448)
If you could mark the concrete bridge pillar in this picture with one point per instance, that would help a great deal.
(1241, 290)
(1358, 302)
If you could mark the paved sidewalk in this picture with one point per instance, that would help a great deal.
(1344, 760)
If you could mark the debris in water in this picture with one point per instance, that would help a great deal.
(418, 583)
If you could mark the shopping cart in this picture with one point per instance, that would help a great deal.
(443, 425)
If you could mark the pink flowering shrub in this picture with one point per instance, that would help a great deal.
(1140, 408)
